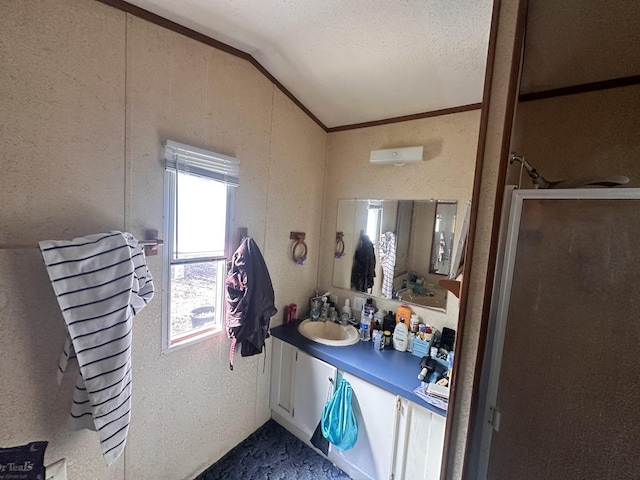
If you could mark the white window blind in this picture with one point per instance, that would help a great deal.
(196, 161)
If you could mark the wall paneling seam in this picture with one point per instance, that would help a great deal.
(128, 167)
(127, 170)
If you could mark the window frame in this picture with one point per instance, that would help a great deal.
(195, 335)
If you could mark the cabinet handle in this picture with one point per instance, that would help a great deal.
(331, 379)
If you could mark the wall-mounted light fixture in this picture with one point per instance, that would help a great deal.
(396, 156)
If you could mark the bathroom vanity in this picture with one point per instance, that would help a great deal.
(399, 434)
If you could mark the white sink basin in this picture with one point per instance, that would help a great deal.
(329, 333)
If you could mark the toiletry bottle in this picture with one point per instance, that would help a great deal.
(403, 312)
(365, 325)
(292, 312)
(378, 318)
(369, 307)
(369, 310)
(316, 307)
(389, 321)
(413, 324)
(378, 340)
(324, 312)
(400, 336)
(387, 338)
(345, 314)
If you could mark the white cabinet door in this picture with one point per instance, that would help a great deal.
(312, 389)
(375, 411)
(420, 443)
(409, 439)
(283, 365)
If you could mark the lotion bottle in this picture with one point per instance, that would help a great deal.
(400, 336)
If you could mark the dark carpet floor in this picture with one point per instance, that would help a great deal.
(272, 453)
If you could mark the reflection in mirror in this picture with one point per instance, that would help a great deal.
(443, 238)
(396, 249)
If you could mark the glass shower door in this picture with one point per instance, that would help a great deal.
(565, 375)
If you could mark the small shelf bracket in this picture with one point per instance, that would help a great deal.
(152, 242)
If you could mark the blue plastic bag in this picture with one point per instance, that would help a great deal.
(339, 424)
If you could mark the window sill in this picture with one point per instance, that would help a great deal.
(192, 337)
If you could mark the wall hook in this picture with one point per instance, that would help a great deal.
(298, 257)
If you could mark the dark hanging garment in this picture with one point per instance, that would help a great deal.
(364, 265)
(250, 300)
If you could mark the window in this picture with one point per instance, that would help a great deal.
(199, 188)
(373, 221)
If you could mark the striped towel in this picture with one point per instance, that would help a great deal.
(388, 262)
(101, 281)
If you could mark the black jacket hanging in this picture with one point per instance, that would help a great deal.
(364, 265)
(250, 300)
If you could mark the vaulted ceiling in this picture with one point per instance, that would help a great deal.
(353, 61)
(357, 61)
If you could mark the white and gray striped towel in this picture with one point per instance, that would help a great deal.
(101, 281)
(388, 262)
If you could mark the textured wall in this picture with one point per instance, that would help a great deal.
(585, 135)
(449, 152)
(579, 41)
(62, 131)
(89, 94)
(490, 190)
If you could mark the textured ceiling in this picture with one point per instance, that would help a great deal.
(353, 61)
(573, 42)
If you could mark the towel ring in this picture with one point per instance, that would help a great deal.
(299, 238)
(339, 251)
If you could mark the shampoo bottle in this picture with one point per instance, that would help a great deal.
(389, 322)
(400, 336)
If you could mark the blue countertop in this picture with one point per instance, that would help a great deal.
(391, 370)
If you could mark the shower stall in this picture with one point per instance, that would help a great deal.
(561, 378)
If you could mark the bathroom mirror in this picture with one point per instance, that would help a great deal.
(395, 249)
